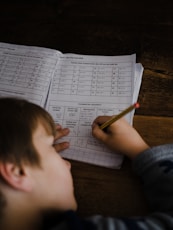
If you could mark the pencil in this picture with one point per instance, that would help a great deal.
(116, 117)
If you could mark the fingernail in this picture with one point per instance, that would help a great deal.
(66, 144)
(58, 126)
(93, 125)
(66, 130)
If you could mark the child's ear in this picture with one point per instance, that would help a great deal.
(16, 176)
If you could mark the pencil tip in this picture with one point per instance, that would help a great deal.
(136, 105)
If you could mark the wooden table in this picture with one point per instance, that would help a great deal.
(107, 27)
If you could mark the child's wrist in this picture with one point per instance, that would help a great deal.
(138, 150)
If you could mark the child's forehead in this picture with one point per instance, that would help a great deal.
(46, 126)
(42, 130)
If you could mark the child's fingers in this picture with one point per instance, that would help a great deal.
(61, 146)
(61, 133)
(98, 133)
(101, 119)
(58, 127)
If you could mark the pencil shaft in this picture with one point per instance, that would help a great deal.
(115, 118)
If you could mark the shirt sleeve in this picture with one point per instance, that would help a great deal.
(155, 168)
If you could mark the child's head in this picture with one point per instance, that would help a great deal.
(28, 160)
(18, 120)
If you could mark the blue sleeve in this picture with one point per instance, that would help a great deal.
(155, 168)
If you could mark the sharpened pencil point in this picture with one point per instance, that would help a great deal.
(115, 118)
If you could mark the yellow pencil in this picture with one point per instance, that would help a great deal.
(116, 117)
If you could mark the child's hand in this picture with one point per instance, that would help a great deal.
(61, 132)
(120, 136)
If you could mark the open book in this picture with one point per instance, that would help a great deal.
(74, 89)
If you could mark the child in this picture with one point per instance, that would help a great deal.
(36, 187)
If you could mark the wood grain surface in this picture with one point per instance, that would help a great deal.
(107, 27)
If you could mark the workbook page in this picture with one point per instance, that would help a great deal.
(84, 87)
(26, 71)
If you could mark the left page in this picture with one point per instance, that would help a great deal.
(26, 71)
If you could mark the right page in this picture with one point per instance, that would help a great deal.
(84, 87)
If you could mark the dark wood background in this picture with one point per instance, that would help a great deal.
(107, 27)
